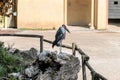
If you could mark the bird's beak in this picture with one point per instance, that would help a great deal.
(67, 29)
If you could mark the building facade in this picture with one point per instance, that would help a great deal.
(53, 13)
(114, 9)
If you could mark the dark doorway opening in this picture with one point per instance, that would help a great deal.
(115, 22)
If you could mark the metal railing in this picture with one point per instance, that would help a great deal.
(85, 58)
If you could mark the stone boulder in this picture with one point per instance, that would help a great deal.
(53, 66)
(30, 54)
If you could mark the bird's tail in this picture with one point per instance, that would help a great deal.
(54, 43)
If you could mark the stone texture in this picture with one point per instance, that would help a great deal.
(53, 66)
(27, 54)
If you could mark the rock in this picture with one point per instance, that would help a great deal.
(48, 66)
(53, 66)
(29, 54)
(13, 51)
(31, 71)
(47, 56)
(15, 75)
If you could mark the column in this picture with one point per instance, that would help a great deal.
(92, 15)
(65, 12)
(101, 14)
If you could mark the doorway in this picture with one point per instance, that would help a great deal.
(78, 12)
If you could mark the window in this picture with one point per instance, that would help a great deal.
(115, 2)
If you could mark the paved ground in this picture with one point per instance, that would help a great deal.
(103, 47)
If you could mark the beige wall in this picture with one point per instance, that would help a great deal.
(53, 13)
(40, 13)
(78, 12)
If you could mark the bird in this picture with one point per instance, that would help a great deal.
(60, 35)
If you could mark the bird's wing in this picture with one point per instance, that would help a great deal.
(59, 34)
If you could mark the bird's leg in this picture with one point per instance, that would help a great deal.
(61, 46)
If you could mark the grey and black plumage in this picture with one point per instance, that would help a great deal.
(60, 35)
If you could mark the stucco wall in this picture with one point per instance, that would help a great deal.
(78, 12)
(53, 13)
(40, 13)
